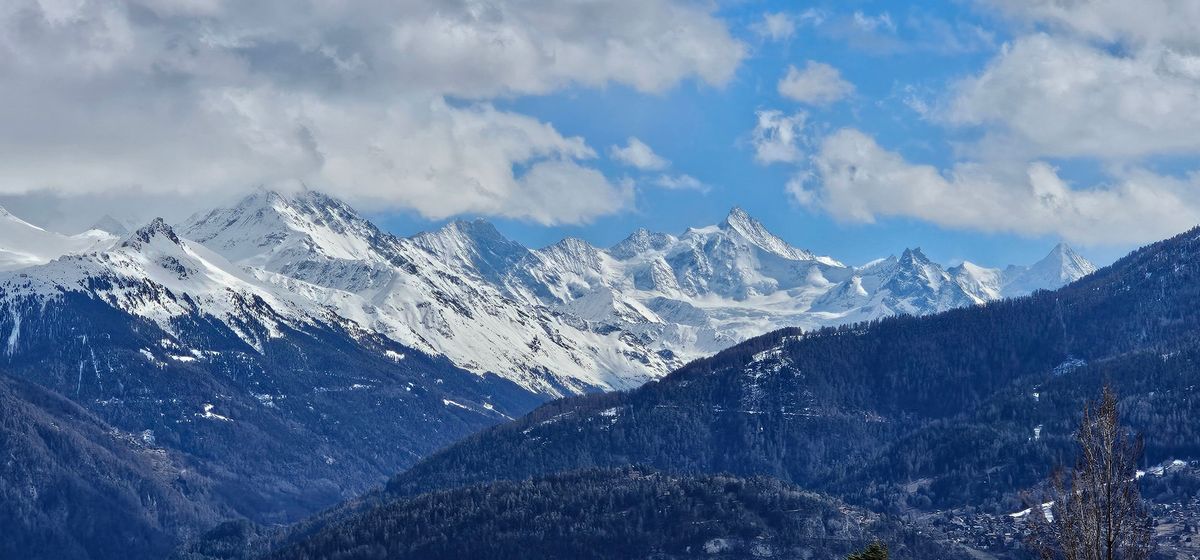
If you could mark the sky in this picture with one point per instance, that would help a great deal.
(981, 130)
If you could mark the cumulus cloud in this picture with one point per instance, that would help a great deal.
(375, 100)
(778, 137)
(816, 84)
(1055, 96)
(1091, 81)
(856, 180)
(637, 154)
(1170, 23)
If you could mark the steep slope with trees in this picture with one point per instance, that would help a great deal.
(895, 412)
(614, 514)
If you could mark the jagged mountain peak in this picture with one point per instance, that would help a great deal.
(157, 227)
(1064, 259)
(740, 221)
(473, 244)
(641, 241)
(573, 253)
(1061, 266)
(304, 206)
(268, 227)
(914, 255)
(738, 217)
(573, 245)
(741, 225)
(477, 231)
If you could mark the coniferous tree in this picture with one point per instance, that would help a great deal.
(876, 551)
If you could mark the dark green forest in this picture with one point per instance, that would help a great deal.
(613, 514)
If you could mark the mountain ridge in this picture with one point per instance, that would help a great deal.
(572, 317)
(946, 417)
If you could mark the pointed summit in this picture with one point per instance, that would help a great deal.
(913, 255)
(741, 224)
(475, 245)
(740, 221)
(1058, 268)
(157, 228)
(739, 218)
(1066, 263)
(272, 228)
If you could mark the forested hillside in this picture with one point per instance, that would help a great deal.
(905, 411)
(955, 412)
(72, 486)
(613, 514)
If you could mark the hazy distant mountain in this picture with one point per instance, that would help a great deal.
(23, 244)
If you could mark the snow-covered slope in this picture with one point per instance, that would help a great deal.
(154, 274)
(563, 319)
(23, 244)
(682, 297)
(1062, 266)
(697, 293)
(435, 292)
(277, 406)
(911, 284)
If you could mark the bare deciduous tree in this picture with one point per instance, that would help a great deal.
(1096, 512)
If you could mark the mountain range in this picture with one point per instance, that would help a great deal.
(564, 319)
(270, 358)
(943, 421)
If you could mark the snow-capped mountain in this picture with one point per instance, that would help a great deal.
(23, 244)
(1062, 266)
(911, 284)
(683, 296)
(256, 390)
(285, 338)
(147, 274)
(435, 292)
(562, 319)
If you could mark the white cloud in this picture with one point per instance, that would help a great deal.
(172, 96)
(637, 154)
(856, 180)
(779, 26)
(1052, 96)
(680, 183)
(1094, 79)
(777, 137)
(816, 84)
(1170, 23)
